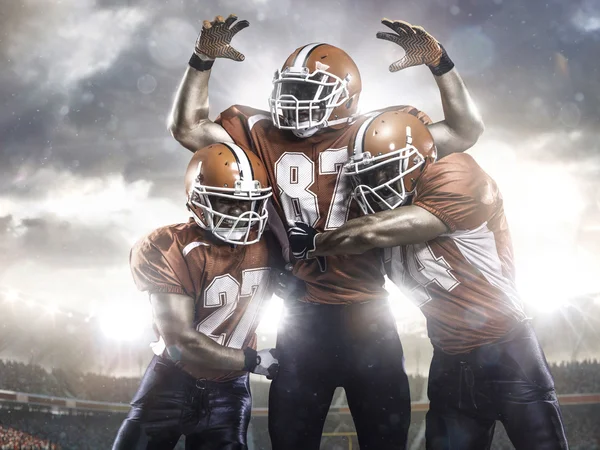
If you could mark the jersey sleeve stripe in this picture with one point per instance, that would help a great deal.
(192, 245)
(253, 120)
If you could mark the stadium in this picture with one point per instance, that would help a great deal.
(67, 395)
(88, 167)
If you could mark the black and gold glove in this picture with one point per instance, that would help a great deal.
(420, 47)
(214, 42)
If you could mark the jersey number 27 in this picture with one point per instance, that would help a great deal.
(224, 294)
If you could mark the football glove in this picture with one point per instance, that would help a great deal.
(302, 239)
(420, 47)
(214, 40)
(264, 362)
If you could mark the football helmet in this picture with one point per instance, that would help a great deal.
(318, 86)
(387, 155)
(226, 173)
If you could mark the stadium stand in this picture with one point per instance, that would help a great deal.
(65, 413)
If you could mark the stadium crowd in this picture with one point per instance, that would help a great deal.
(97, 431)
(28, 428)
(59, 431)
(14, 439)
(570, 378)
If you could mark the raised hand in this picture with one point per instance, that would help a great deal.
(215, 38)
(420, 46)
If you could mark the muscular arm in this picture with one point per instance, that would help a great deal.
(174, 316)
(462, 124)
(189, 123)
(400, 226)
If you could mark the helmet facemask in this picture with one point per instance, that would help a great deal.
(303, 102)
(245, 229)
(379, 181)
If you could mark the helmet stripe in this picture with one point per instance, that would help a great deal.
(302, 56)
(242, 161)
(359, 141)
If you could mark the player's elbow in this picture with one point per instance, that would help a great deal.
(467, 137)
(184, 342)
(178, 129)
(477, 129)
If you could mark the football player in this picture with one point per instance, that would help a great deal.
(342, 333)
(207, 279)
(449, 248)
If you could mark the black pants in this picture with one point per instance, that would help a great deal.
(507, 381)
(170, 403)
(325, 346)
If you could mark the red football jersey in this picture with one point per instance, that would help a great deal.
(309, 186)
(463, 280)
(228, 283)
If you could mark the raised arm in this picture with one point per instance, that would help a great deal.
(194, 351)
(189, 123)
(401, 226)
(462, 124)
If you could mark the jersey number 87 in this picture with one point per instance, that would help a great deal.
(295, 174)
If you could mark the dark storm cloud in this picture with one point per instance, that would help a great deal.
(531, 65)
(542, 72)
(86, 87)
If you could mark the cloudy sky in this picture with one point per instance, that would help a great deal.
(87, 165)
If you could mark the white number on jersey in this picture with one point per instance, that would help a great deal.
(331, 162)
(295, 174)
(424, 269)
(223, 293)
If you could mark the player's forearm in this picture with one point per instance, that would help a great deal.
(198, 352)
(352, 238)
(190, 107)
(462, 124)
(402, 226)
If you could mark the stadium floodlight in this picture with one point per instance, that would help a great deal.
(125, 321)
(403, 309)
(271, 317)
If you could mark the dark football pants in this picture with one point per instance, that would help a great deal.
(170, 403)
(507, 381)
(325, 346)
